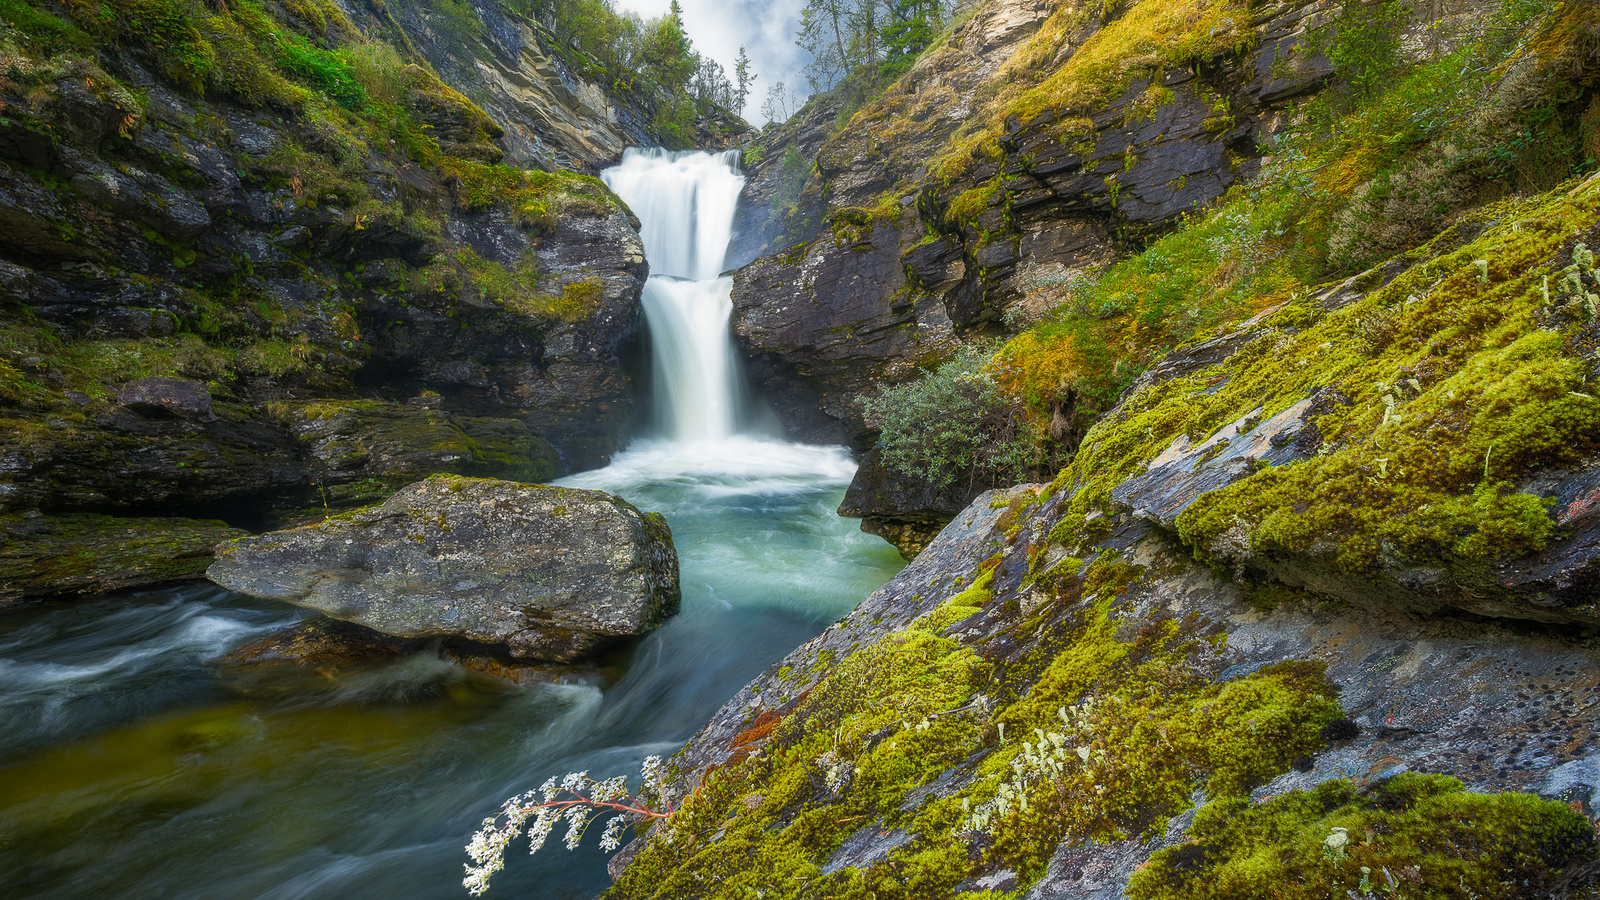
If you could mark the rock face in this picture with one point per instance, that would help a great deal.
(232, 298)
(75, 555)
(948, 211)
(553, 118)
(549, 573)
(907, 512)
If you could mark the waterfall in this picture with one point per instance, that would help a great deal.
(685, 204)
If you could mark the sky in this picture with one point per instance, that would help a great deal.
(766, 28)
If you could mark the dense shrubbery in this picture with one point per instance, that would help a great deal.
(956, 423)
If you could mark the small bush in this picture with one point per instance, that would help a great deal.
(956, 422)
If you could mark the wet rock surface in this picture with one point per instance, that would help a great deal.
(77, 555)
(322, 652)
(550, 574)
(363, 450)
(905, 511)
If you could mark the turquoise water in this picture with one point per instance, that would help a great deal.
(130, 768)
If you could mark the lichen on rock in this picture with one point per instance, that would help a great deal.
(548, 573)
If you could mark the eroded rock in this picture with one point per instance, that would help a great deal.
(548, 573)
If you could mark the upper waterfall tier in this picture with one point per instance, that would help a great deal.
(685, 203)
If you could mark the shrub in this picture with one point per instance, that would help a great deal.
(956, 421)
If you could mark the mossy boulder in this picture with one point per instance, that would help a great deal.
(547, 573)
(76, 555)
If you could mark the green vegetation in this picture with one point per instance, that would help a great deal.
(862, 45)
(350, 111)
(1114, 733)
(1370, 168)
(89, 554)
(1411, 836)
(650, 59)
(955, 423)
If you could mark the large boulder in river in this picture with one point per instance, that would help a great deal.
(550, 573)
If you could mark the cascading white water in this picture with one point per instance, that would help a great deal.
(685, 204)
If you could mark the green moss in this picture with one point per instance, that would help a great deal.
(888, 718)
(961, 606)
(1414, 835)
(1457, 389)
(897, 713)
(534, 199)
(1472, 387)
(965, 209)
(40, 31)
(88, 554)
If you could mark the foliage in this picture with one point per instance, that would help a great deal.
(651, 58)
(1358, 176)
(954, 423)
(330, 72)
(862, 44)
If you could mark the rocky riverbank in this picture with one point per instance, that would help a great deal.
(261, 289)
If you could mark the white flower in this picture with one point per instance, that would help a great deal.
(577, 817)
(650, 769)
(611, 838)
(574, 781)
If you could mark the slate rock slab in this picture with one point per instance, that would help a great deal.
(548, 573)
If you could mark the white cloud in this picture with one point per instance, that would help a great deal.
(765, 28)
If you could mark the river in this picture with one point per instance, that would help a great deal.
(129, 767)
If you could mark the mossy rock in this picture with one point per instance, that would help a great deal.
(1413, 835)
(76, 555)
(365, 449)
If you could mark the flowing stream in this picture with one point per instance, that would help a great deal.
(130, 768)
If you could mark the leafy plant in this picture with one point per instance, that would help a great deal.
(955, 422)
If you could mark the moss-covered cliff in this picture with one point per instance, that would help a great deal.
(1113, 181)
(1306, 612)
(261, 257)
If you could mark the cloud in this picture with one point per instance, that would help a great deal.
(765, 28)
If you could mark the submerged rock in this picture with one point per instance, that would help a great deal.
(549, 573)
(322, 645)
(53, 556)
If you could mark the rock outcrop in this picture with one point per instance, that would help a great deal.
(301, 279)
(548, 573)
(1005, 589)
(1306, 608)
(903, 510)
(79, 555)
(1020, 157)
